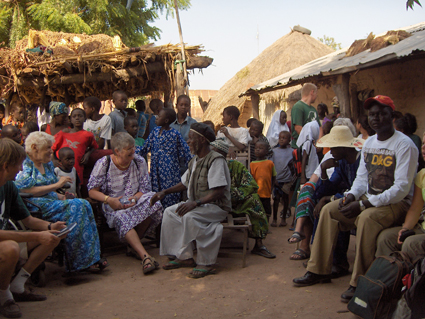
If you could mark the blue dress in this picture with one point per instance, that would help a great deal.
(82, 244)
(169, 151)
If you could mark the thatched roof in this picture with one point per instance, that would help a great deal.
(287, 53)
(70, 67)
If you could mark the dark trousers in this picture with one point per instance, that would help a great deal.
(267, 205)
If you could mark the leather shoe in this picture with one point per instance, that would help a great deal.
(28, 296)
(310, 279)
(338, 271)
(10, 309)
(348, 294)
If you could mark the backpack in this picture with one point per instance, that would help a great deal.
(297, 155)
(415, 293)
(380, 288)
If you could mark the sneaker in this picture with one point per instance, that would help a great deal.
(10, 309)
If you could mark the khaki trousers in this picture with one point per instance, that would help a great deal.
(414, 245)
(369, 224)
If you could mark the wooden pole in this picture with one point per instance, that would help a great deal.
(183, 64)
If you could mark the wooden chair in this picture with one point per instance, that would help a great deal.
(243, 157)
(238, 223)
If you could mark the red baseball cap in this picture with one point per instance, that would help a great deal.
(380, 99)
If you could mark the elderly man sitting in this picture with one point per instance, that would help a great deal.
(207, 181)
(32, 246)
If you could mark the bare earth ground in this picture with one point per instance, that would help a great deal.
(261, 290)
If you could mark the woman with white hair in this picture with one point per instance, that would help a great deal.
(38, 178)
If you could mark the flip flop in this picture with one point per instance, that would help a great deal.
(202, 273)
(298, 236)
(172, 264)
(301, 253)
(263, 251)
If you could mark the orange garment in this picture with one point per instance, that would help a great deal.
(326, 149)
(9, 120)
(263, 172)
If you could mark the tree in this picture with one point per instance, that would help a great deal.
(330, 42)
(84, 16)
(410, 3)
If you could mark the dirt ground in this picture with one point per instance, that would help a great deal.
(261, 290)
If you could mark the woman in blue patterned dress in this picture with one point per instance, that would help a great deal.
(121, 182)
(38, 178)
(169, 152)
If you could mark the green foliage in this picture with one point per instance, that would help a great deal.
(330, 42)
(410, 3)
(85, 16)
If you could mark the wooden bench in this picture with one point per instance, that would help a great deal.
(238, 223)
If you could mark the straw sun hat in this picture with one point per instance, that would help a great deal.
(340, 136)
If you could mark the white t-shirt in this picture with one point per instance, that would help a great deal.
(101, 128)
(329, 171)
(313, 160)
(241, 134)
(73, 174)
(387, 169)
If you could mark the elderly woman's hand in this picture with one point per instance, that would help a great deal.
(115, 203)
(63, 180)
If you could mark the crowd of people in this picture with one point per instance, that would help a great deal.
(337, 175)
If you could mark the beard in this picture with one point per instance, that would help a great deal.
(194, 147)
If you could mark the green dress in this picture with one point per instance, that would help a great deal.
(245, 199)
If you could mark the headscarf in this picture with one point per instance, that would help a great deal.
(57, 108)
(309, 132)
(275, 128)
(203, 130)
(221, 145)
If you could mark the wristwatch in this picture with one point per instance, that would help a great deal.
(362, 206)
(198, 202)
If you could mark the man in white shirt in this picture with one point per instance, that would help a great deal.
(378, 199)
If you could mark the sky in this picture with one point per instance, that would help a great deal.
(234, 32)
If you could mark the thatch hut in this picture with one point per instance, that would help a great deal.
(69, 67)
(288, 52)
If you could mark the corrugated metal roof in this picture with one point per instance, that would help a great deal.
(336, 62)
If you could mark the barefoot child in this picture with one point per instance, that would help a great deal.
(98, 124)
(132, 127)
(117, 116)
(67, 169)
(256, 133)
(167, 148)
(282, 159)
(80, 141)
(264, 173)
(235, 136)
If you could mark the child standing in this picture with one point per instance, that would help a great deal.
(264, 173)
(132, 127)
(141, 120)
(78, 140)
(278, 124)
(167, 148)
(282, 159)
(256, 133)
(16, 117)
(235, 136)
(117, 116)
(67, 169)
(98, 124)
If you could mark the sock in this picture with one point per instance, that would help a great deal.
(17, 285)
(5, 295)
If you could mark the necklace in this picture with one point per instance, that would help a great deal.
(121, 167)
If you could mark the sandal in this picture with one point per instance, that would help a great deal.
(151, 263)
(301, 255)
(201, 273)
(263, 251)
(98, 266)
(297, 236)
(174, 264)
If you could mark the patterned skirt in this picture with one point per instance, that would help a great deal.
(305, 202)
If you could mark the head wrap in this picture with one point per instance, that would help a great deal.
(57, 108)
(203, 130)
(275, 128)
(221, 145)
(309, 132)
